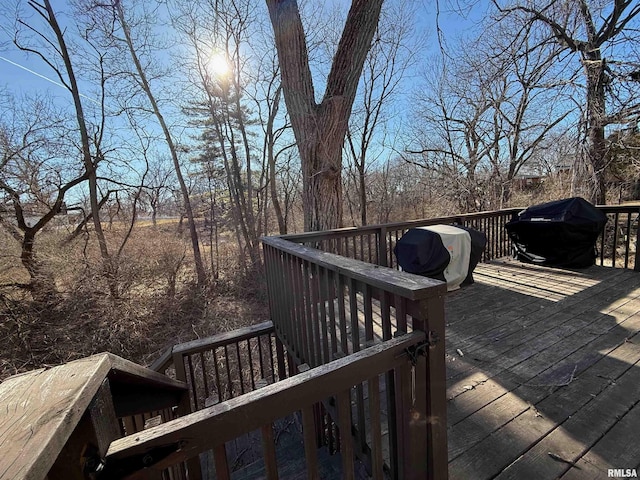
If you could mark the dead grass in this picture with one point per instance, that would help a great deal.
(158, 304)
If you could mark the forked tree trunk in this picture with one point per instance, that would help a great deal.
(322, 183)
(320, 129)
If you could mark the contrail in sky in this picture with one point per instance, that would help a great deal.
(31, 71)
(44, 78)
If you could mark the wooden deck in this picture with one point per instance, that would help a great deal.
(543, 373)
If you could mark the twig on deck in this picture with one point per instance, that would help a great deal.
(558, 458)
(564, 384)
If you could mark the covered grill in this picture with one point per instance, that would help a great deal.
(561, 233)
(445, 252)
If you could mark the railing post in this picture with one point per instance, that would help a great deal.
(184, 408)
(636, 262)
(382, 247)
(428, 419)
(282, 373)
(436, 397)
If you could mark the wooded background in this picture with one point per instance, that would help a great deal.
(136, 183)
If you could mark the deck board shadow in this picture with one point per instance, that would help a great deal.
(548, 381)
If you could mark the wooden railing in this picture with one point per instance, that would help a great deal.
(618, 243)
(186, 437)
(331, 298)
(326, 306)
(224, 366)
(374, 244)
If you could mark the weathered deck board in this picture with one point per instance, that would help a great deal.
(551, 365)
(42, 408)
(582, 430)
(611, 452)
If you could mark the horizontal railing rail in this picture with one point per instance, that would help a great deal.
(190, 435)
(375, 243)
(226, 365)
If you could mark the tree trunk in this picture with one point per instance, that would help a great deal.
(42, 285)
(273, 190)
(596, 118)
(359, 161)
(154, 213)
(322, 184)
(271, 162)
(320, 129)
(90, 161)
(362, 190)
(195, 243)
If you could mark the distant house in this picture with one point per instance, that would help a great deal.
(528, 181)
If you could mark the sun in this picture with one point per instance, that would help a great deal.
(218, 65)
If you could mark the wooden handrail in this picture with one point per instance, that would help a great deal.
(323, 306)
(618, 208)
(347, 231)
(222, 339)
(407, 285)
(370, 229)
(374, 243)
(203, 344)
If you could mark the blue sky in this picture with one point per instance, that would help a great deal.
(23, 73)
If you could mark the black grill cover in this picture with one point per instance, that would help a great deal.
(422, 252)
(561, 233)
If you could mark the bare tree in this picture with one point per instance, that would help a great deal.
(389, 58)
(49, 43)
(35, 178)
(402, 190)
(490, 111)
(455, 134)
(158, 185)
(267, 98)
(593, 30)
(526, 94)
(320, 129)
(219, 33)
(145, 85)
